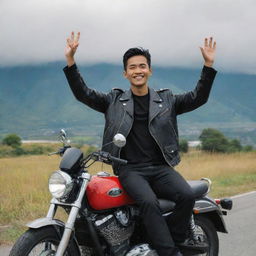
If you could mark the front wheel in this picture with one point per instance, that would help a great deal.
(41, 242)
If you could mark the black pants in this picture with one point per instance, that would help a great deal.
(145, 185)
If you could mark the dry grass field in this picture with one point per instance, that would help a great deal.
(24, 192)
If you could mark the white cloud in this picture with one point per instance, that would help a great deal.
(34, 31)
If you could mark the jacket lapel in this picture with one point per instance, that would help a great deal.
(155, 104)
(127, 102)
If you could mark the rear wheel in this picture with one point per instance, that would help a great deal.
(41, 242)
(206, 232)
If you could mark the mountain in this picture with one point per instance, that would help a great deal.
(37, 101)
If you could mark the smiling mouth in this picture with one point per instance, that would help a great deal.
(138, 77)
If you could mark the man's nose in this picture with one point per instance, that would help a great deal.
(138, 70)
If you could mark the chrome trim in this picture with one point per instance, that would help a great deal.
(42, 222)
(205, 206)
(103, 174)
(209, 184)
(73, 215)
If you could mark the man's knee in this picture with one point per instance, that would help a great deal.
(188, 197)
(148, 203)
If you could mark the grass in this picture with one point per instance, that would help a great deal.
(24, 192)
(230, 173)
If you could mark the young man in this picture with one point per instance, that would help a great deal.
(147, 118)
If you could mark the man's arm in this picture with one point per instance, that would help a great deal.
(191, 100)
(92, 98)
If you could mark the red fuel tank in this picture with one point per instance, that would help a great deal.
(106, 192)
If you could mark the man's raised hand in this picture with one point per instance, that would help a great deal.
(71, 47)
(208, 51)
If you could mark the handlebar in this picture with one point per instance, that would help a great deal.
(60, 152)
(107, 158)
(101, 156)
(118, 160)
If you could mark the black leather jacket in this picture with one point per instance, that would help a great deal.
(117, 106)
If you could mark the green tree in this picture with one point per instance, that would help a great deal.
(12, 140)
(234, 146)
(183, 145)
(213, 140)
(247, 148)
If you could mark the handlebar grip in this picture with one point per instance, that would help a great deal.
(118, 160)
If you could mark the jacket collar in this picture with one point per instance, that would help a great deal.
(155, 103)
(127, 102)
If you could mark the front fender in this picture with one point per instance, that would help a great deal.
(58, 225)
(42, 222)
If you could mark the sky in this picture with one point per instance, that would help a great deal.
(35, 31)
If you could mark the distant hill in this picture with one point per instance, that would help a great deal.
(36, 100)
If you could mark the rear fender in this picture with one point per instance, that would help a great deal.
(208, 208)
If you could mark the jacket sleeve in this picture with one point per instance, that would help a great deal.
(94, 99)
(191, 100)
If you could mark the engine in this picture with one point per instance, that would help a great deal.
(117, 228)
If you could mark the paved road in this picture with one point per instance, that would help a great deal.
(4, 250)
(241, 224)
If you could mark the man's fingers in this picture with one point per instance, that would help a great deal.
(206, 42)
(72, 36)
(70, 43)
(210, 42)
(75, 45)
(77, 37)
(214, 45)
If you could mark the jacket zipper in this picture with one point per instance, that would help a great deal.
(119, 151)
(166, 110)
(158, 145)
(173, 129)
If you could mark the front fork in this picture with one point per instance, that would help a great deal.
(75, 207)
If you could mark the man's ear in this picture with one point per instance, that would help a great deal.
(125, 74)
(151, 71)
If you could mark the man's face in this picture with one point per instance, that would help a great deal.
(137, 71)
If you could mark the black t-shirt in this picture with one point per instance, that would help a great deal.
(141, 148)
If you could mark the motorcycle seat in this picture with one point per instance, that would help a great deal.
(166, 205)
(199, 188)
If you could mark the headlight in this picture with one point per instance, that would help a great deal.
(60, 184)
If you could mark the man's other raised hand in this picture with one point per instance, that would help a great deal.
(71, 47)
(208, 51)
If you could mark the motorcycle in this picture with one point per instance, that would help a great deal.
(103, 220)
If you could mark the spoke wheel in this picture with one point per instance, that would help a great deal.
(207, 233)
(41, 242)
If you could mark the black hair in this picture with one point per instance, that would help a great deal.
(135, 52)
